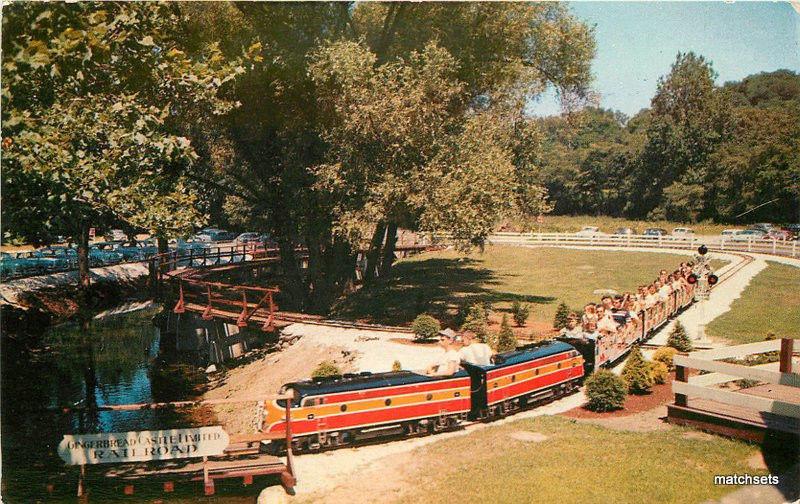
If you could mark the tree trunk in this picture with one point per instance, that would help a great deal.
(163, 244)
(388, 250)
(374, 252)
(83, 257)
(294, 278)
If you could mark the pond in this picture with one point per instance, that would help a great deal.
(116, 360)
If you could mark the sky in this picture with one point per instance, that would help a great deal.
(638, 41)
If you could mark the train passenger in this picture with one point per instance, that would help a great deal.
(664, 290)
(604, 320)
(590, 331)
(474, 351)
(652, 296)
(572, 329)
(632, 306)
(589, 314)
(618, 311)
(449, 362)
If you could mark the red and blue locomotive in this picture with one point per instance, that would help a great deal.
(340, 410)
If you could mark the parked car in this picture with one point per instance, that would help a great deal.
(248, 238)
(18, 264)
(794, 229)
(655, 232)
(683, 232)
(103, 254)
(625, 231)
(115, 235)
(589, 231)
(728, 233)
(762, 226)
(185, 245)
(778, 234)
(214, 235)
(59, 258)
(136, 250)
(748, 235)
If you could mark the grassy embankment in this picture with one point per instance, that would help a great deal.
(770, 304)
(578, 462)
(573, 223)
(438, 282)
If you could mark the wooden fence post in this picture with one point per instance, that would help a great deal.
(681, 375)
(81, 476)
(787, 347)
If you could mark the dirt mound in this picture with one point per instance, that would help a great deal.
(266, 375)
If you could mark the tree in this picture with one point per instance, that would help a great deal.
(689, 120)
(425, 327)
(476, 321)
(605, 391)
(678, 339)
(318, 163)
(636, 372)
(91, 99)
(506, 341)
(520, 312)
(665, 355)
(562, 316)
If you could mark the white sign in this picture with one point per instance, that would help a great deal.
(142, 446)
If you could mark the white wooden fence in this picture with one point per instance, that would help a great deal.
(702, 386)
(788, 248)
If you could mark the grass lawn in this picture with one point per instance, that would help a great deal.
(573, 223)
(578, 462)
(770, 304)
(437, 282)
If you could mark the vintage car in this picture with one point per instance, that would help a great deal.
(136, 250)
(104, 254)
(683, 232)
(748, 235)
(589, 231)
(60, 258)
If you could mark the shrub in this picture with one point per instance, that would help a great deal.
(325, 369)
(425, 327)
(659, 372)
(678, 339)
(605, 391)
(520, 312)
(664, 355)
(506, 341)
(475, 321)
(396, 366)
(636, 372)
(562, 316)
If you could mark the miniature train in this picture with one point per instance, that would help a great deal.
(342, 410)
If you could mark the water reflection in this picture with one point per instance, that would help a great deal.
(112, 361)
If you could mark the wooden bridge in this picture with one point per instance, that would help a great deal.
(188, 272)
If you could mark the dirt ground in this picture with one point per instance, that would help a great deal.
(266, 375)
